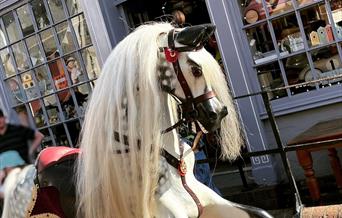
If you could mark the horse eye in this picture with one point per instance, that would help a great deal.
(196, 71)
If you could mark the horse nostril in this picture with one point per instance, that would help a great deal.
(224, 111)
(212, 115)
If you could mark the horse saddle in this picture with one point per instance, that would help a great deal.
(54, 191)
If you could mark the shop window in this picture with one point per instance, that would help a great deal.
(302, 37)
(49, 65)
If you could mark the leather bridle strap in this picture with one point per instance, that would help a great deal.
(185, 185)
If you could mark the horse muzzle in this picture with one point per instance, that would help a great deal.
(210, 114)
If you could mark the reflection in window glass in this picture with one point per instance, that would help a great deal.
(7, 62)
(20, 56)
(58, 74)
(261, 44)
(11, 28)
(52, 110)
(14, 87)
(74, 128)
(270, 78)
(68, 105)
(304, 2)
(34, 51)
(40, 13)
(25, 20)
(90, 61)
(49, 43)
(74, 6)
(56, 8)
(81, 30)
(44, 83)
(65, 37)
(37, 113)
(47, 141)
(59, 135)
(3, 41)
(29, 85)
(22, 115)
(74, 69)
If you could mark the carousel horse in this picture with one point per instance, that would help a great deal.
(133, 162)
(46, 189)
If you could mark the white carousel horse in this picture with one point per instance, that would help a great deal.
(18, 187)
(130, 146)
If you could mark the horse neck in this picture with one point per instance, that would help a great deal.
(170, 139)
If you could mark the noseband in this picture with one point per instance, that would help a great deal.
(189, 112)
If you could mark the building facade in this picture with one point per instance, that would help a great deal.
(289, 46)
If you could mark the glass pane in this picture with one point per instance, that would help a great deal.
(60, 135)
(279, 6)
(50, 103)
(47, 140)
(261, 44)
(74, 69)
(13, 86)
(20, 56)
(288, 34)
(49, 43)
(40, 13)
(44, 83)
(58, 74)
(336, 9)
(7, 62)
(3, 41)
(90, 62)
(305, 2)
(29, 85)
(68, 106)
(22, 115)
(56, 8)
(74, 6)
(81, 29)
(84, 90)
(74, 128)
(34, 51)
(25, 20)
(252, 11)
(270, 78)
(316, 25)
(65, 37)
(295, 66)
(327, 64)
(37, 113)
(11, 27)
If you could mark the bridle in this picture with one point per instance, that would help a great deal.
(188, 107)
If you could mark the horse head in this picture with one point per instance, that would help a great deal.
(184, 77)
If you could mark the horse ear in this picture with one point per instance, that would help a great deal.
(194, 35)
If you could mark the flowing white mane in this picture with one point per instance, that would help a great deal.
(117, 180)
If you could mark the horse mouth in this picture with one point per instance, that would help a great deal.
(211, 118)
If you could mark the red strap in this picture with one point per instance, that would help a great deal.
(182, 172)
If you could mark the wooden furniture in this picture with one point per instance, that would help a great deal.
(322, 131)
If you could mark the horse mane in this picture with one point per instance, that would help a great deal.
(119, 179)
